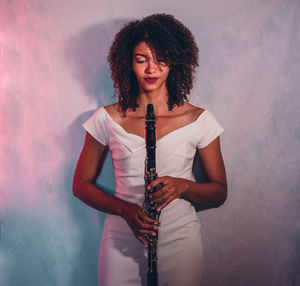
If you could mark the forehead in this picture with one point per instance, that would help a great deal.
(142, 49)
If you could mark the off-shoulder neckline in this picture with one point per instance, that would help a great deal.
(199, 117)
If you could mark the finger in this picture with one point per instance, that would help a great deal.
(144, 218)
(145, 226)
(161, 192)
(167, 191)
(161, 199)
(165, 203)
(166, 199)
(142, 240)
(162, 188)
(144, 233)
(140, 224)
(156, 182)
(148, 232)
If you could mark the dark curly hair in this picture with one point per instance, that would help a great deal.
(170, 41)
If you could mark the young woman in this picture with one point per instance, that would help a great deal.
(152, 61)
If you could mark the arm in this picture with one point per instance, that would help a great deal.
(211, 193)
(88, 168)
(215, 191)
(89, 165)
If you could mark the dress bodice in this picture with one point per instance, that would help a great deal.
(174, 152)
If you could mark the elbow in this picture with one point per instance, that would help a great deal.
(222, 196)
(222, 201)
(80, 188)
(75, 191)
(76, 188)
(219, 196)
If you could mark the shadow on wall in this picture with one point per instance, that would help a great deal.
(85, 55)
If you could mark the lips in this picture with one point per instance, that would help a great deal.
(151, 79)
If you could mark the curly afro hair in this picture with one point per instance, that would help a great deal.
(170, 41)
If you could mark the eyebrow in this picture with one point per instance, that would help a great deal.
(142, 55)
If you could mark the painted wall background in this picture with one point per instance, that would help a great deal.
(54, 74)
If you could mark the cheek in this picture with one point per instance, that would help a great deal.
(137, 71)
(138, 76)
(166, 73)
(165, 70)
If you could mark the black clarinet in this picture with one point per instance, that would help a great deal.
(151, 209)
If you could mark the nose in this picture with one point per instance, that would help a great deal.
(151, 67)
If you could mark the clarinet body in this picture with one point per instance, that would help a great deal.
(151, 209)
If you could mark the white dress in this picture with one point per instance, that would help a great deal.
(122, 259)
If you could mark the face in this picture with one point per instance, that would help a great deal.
(151, 75)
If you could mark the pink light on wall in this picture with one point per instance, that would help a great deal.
(28, 112)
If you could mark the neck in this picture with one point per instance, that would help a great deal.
(159, 100)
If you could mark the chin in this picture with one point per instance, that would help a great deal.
(152, 88)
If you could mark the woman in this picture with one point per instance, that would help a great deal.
(152, 61)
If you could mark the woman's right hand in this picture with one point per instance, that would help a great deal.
(139, 223)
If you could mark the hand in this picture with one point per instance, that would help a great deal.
(171, 189)
(139, 223)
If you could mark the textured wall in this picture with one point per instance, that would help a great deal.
(54, 75)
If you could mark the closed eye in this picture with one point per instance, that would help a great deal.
(140, 58)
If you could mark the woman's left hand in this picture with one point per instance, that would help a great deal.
(170, 188)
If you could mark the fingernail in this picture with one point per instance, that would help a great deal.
(153, 233)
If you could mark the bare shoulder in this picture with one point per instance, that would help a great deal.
(191, 110)
(112, 108)
(114, 111)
